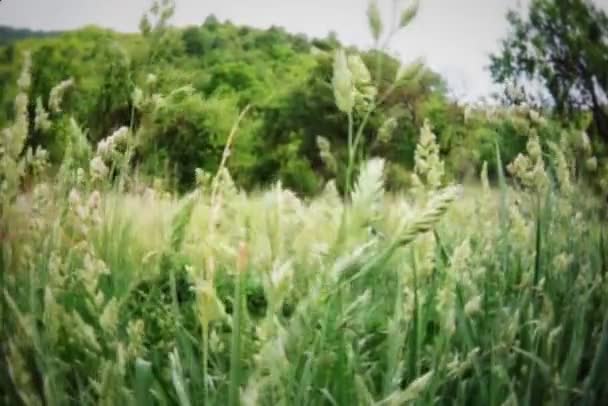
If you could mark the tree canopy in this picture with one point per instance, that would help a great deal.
(195, 80)
(563, 46)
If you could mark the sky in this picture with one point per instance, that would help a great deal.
(454, 37)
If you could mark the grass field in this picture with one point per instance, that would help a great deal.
(117, 294)
(456, 296)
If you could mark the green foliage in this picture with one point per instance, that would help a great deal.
(113, 105)
(227, 67)
(563, 46)
(189, 131)
(115, 292)
(234, 297)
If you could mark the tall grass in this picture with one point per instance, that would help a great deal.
(439, 295)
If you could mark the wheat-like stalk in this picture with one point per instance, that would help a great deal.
(369, 191)
(433, 212)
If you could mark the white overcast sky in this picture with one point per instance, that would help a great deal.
(453, 36)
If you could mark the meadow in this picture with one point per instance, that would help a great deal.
(116, 289)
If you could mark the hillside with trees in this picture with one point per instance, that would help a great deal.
(225, 215)
(219, 68)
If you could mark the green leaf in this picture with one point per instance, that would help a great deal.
(143, 382)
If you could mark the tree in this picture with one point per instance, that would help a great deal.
(164, 43)
(112, 106)
(563, 46)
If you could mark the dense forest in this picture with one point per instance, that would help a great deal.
(192, 82)
(226, 215)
